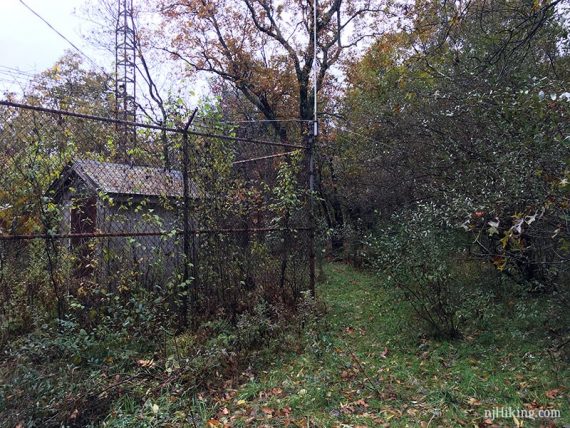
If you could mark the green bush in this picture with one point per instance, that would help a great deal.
(427, 261)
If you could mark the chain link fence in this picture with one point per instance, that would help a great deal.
(203, 220)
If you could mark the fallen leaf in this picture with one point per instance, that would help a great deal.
(553, 393)
(473, 402)
(517, 422)
(147, 364)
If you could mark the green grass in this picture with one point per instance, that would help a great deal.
(362, 362)
(368, 365)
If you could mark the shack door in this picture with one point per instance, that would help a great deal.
(83, 222)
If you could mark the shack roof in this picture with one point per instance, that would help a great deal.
(125, 179)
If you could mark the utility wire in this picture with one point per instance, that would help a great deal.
(266, 120)
(14, 79)
(345, 128)
(15, 76)
(66, 39)
(108, 76)
(16, 70)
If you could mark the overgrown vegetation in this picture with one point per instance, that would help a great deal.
(364, 366)
(138, 373)
(463, 158)
(356, 362)
(442, 172)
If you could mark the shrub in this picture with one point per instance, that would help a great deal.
(425, 260)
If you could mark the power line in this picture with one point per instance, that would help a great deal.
(15, 76)
(16, 70)
(277, 155)
(266, 120)
(14, 79)
(108, 76)
(345, 128)
(63, 37)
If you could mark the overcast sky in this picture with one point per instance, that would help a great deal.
(28, 44)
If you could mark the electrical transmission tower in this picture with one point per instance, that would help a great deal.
(125, 76)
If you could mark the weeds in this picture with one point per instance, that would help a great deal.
(122, 377)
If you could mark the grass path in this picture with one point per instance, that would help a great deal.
(367, 366)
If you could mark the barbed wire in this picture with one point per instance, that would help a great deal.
(147, 125)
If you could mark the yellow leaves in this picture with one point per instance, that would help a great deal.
(505, 240)
(473, 401)
(500, 262)
(517, 422)
(412, 412)
(147, 364)
(56, 72)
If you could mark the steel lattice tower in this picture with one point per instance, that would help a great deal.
(125, 75)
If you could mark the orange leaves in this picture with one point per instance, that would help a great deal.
(553, 393)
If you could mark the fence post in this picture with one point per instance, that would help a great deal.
(311, 167)
(186, 225)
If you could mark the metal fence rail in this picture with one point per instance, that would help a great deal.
(208, 221)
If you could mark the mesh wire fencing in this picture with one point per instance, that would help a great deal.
(198, 221)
